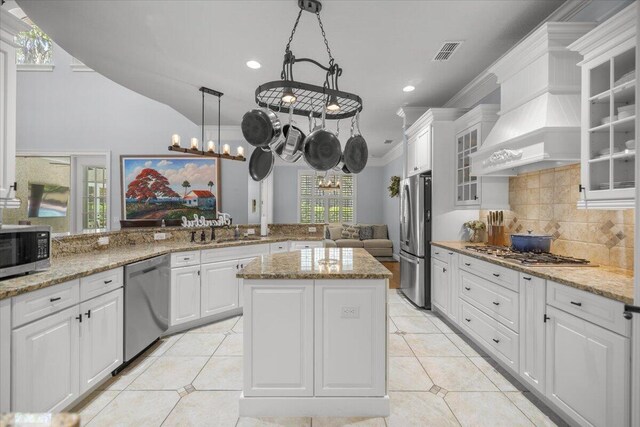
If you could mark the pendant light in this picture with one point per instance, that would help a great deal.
(211, 146)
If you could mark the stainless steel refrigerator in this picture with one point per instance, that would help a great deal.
(415, 238)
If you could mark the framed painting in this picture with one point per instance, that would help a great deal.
(154, 188)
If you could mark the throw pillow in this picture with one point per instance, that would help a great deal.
(366, 232)
(335, 232)
(350, 231)
(380, 231)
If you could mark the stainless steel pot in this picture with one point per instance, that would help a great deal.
(356, 152)
(261, 127)
(530, 242)
(260, 164)
(321, 148)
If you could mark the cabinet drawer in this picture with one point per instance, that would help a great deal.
(101, 283)
(40, 303)
(279, 247)
(234, 252)
(492, 272)
(593, 308)
(184, 259)
(442, 254)
(305, 244)
(494, 300)
(501, 341)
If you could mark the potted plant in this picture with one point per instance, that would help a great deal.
(475, 228)
(394, 187)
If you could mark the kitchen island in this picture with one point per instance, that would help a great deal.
(315, 329)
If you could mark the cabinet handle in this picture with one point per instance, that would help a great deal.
(444, 270)
(468, 320)
(496, 274)
(55, 299)
(106, 282)
(496, 303)
(579, 304)
(79, 318)
(437, 253)
(450, 253)
(198, 272)
(496, 341)
(237, 266)
(467, 264)
(467, 288)
(88, 314)
(526, 278)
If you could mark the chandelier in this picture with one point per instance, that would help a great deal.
(212, 150)
(329, 184)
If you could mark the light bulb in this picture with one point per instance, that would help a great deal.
(240, 151)
(332, 104)
(226, 149)
(194, 143)
(210, 146)
(175, 140)
(288, 96)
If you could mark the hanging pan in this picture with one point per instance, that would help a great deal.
(260, 164)
(261, 127)
(291, 149)
(355, 153)
(321, 148)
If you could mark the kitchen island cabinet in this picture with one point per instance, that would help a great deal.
(315, 334)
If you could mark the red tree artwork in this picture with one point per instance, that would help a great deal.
(150, 184)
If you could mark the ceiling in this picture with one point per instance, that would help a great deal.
(165, 50)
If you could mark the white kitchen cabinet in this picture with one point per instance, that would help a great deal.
(5, 355)
(185, 294)
(410, 156)
(8, 82)
(345, 366)
(101, 338)
(587, 370)
(45, 353)
(470, 191)
(532, 331)
(278, 338)
(608, 136)
(440, 285)
(219, 287)
(418, 153)
(297, 245)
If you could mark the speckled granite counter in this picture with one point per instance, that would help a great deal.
(318, 263)
(20, 419)
(80, 265)
(608, 282)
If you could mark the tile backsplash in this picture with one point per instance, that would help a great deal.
(545, 202)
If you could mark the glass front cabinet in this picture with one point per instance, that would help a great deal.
(608, 130)
(471, 191)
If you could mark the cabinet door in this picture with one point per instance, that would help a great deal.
(101, 338)
(439, 285)
(242, 264)
(44, 372)
(7, 120)
(423, 151)
(532, 331)
(453, 294)
(410, 159)
(588, 370)
(350, 353)
(185, 294)
(278, 338)
(219, 287)
(5, 355)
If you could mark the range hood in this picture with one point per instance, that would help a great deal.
(539, 123)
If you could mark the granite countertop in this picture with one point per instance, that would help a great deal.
(609, 282)
(81, 265)
(20, 419)
(317, 263)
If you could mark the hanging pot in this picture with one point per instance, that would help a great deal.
(291, 148)
(260, 164)
(261, 127)
(356, 152)
(322, 148)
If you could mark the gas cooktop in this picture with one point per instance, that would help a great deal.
(532, 259)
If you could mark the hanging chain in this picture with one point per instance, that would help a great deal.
(293, 31)
(326, 42)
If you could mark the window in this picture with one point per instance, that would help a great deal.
(36, 48)
(332, 206)
(94, 198)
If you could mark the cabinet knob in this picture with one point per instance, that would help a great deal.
(467, 319)
(79, 317)
(467, 288)
(444, 270)
(88, 314)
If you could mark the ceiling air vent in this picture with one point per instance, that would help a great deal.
(446, 51)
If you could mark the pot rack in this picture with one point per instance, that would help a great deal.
(310, 100)
(209, 152)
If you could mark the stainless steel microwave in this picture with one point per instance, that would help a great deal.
(24, 249)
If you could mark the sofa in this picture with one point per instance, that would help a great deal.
(372, 237)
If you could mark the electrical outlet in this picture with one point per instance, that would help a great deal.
(312, 229)
(159, 236)
(350, 312)
(103, 241)
(251, 231)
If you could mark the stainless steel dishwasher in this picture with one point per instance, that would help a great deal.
(147, 285)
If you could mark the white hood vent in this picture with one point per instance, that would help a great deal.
(539, 124)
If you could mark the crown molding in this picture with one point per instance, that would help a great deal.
(435, 115)
(11, 25)
(483, 85)
(481, 113)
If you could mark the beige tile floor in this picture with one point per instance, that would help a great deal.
(436, 378)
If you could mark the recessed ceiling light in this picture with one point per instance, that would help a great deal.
(408, 88)
(253, 64)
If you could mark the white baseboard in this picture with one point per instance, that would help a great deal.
(314, 406)
(396, 257)
(203, 321)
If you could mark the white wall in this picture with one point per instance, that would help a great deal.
(72, 111)
(391, 206)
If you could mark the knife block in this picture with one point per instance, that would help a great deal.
(497, 236)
